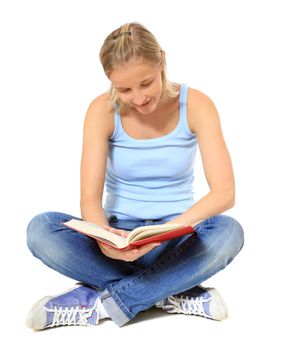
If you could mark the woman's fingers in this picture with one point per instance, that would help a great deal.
(119, 232)
(129, 254)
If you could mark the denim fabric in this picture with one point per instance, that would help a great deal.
(130, 287)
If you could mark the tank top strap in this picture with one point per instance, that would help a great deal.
(183, 108)
(183, 98)
(118, 128)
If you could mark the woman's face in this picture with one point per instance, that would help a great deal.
(138, 84)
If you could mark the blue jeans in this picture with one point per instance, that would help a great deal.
(130, 287)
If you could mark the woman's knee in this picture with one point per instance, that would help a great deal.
(36, 228)
(235, 230)
(40, 228)
(233, 236)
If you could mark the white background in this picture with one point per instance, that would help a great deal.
(50, 72)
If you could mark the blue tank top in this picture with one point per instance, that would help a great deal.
(151, 178)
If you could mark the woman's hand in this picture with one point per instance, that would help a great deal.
(128, 254)
(116, 231)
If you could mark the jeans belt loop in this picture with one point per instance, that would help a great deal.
(113, 219)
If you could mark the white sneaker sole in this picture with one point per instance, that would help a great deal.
(218, 307)
(37, 313)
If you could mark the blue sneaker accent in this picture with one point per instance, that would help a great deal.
(200, 301)
(77, 306)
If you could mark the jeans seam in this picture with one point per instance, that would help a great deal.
(119, 302)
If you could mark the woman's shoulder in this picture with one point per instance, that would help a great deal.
(102, 104)
(197, 98)
(100, 114)
(201, 109)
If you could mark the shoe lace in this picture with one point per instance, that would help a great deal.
(186, 305)
(71, 316)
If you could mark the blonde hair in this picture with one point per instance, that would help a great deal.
(129, 41)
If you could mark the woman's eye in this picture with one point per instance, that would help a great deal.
(124, 91)
(146, 84)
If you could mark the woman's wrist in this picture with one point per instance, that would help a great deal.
(179, 222)
(184, 222)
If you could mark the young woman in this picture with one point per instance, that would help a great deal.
(140, 140)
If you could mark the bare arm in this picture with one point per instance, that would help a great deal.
(98, 126)
(204, 121)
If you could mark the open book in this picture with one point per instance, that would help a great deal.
(139, 236)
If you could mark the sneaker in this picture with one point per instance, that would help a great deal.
(77, 306)
(200, 301)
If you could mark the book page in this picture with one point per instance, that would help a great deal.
(94, 231)
(151, 230)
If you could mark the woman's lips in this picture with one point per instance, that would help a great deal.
(143, 105)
